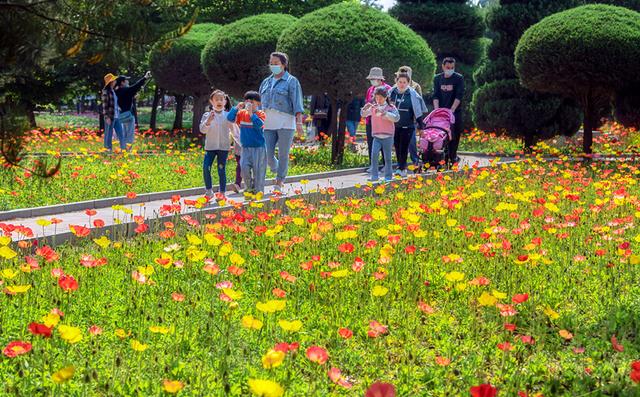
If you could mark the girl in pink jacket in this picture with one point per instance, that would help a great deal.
(383, 118)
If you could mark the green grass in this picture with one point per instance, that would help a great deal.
(438, 263)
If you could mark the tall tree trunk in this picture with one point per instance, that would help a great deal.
(153, 119)
(177, 122)
(31, 116)
(589, 118)
(529, 141)
(337, 132)
(199, 104)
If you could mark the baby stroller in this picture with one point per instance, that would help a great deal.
(435, 137)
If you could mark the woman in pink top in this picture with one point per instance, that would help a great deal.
(383, 119)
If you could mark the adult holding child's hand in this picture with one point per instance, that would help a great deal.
(282, 103)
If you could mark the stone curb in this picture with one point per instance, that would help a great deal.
(146, 197)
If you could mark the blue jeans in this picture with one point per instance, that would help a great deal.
(385, 144)
(352, 127)
(283, 139)
(253, 164)
(209, 156)
(413, 150)
(108, 133)
(128, 128)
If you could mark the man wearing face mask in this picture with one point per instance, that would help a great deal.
(448, 90)
(376, 79)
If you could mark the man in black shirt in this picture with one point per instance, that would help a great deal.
(448, 90)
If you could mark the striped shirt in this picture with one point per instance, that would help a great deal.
(251, 126)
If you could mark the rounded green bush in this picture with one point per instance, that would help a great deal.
(593, 47)
(175, 64)
(332, 49)
(235, 58)
(499, 69)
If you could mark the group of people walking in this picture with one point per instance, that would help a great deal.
(118, 99)
(266, 121)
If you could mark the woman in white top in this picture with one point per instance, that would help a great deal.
(217, 143)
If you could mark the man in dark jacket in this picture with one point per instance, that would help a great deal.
(321, 113)
(110, 112)
(126, 95)
(353, 119)
(448, 90)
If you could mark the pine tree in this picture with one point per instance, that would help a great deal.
(452, 28)
(501, 103)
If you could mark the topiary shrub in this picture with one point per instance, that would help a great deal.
(499, 91)
(175, 65)
(332, 50)
(452, 28)
(585, 53)
(236, 56)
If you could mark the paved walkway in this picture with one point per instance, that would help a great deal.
(154, 209)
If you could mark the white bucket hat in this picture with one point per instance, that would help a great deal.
(375, 74)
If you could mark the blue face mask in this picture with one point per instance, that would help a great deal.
(275, 69)
(449, 72)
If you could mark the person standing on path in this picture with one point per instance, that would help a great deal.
(126, 94)
(353, 120)
(413, 145)
(110, 112)
(282, 103)
(217, 129)
(376, 79)
(412, 109)
(253, 161)
(448, 91)
(321, 113)
(383, 116)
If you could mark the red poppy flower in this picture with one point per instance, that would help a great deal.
(16, 348)
(79, 231)
(336, 377)
(235, 270)
(98, 223)
(286, 347)
(616, 346)
(317, 354)
(346, 333)
(90, 212)
(67, 283)
(484, 390)
(131, 195)
(410, 249)
(635, 372)
(279, 293)
(380, 389)
(95, 330)
(376, 329)
(177, 297)
(520, 298)
(510, 327)
(287, 277)
(505, 346)
(40, 329)
(346, 248)
(141, 228)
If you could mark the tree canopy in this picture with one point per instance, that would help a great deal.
(586, 53)
(235, 58)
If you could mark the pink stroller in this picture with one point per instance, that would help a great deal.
(434, 141)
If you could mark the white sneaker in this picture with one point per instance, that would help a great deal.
(403, 173)
(235, 187)
(209, 193)
(398, 172)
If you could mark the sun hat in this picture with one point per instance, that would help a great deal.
(108, 78)
(375, 74)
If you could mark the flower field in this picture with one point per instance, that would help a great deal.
(516, 280)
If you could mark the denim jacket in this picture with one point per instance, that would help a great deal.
(283, 94)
